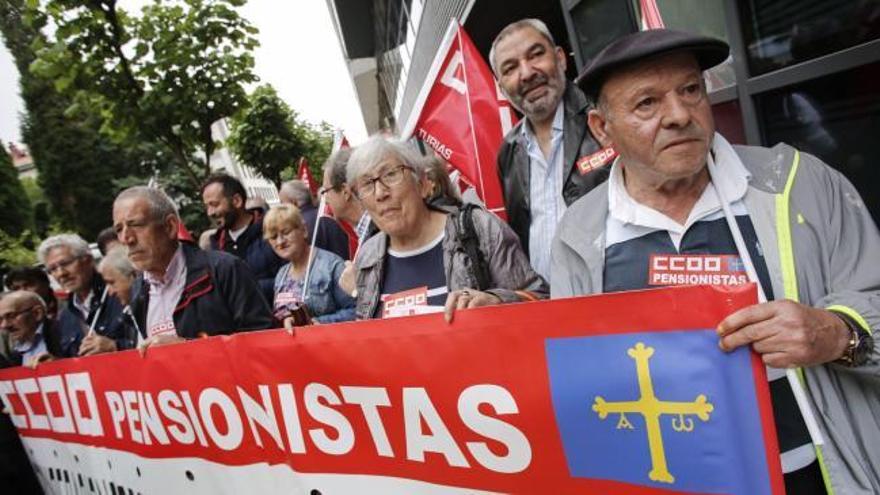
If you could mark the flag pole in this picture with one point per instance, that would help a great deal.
(467, 98)
(312, 249)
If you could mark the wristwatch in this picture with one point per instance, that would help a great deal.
(860, 344)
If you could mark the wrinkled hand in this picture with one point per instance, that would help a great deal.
(786, 334)
(96, 344)
(467, 298)
(158, 340)
(39, 359)
(348, 279)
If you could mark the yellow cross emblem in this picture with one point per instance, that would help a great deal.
(651, 408)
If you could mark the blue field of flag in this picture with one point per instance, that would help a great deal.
(663, 409)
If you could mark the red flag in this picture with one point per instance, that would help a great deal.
(183, 233)
(339, 142)
(651, 18)
(463, 116)
(305, 175)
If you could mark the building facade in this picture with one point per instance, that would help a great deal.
(801, 72)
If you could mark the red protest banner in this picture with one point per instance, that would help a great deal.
(462, 114)
(527, 398)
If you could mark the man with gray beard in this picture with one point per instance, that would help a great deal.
(549, 159)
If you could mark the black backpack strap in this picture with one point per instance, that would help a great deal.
(470, 243)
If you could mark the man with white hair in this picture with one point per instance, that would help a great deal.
(549, 159)
(89, 322)
(182, 292)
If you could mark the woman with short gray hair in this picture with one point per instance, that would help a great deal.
(428, 257)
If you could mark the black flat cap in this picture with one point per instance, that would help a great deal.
(646, 44)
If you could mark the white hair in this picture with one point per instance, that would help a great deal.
(380, 148)
(298, 191)
(117, 259)
(78, 247)
(160, 204)
(536, 24)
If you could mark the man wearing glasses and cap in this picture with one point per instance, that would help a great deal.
(792, 224)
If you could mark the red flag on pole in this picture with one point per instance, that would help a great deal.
(305, 175)
(651, 18)
(462, 114)
(339, 141)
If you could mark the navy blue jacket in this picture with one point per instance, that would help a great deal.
(330, 236)
(254, 250)
(73, 325)
(220, 297)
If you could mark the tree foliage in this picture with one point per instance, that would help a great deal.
(75, 163)
(163, 76)
(15, 210)
(269, 137)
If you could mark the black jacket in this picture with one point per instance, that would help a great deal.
(330, 236)
(254, 250)
(73, 325)
(513, 164)
(221, 296)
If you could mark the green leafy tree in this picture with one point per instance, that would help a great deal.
(269, 137)
(15, 207)
(263, 135)
(76, 164)
(163, 76)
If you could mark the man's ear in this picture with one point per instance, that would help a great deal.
(561, 59)
(41, 312)
(347, 193)
(237, 201)
(598, 123)
(172, 224)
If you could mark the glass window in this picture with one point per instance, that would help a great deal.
(599, 22)
(705, 17)
(778, 33)
(836, 118)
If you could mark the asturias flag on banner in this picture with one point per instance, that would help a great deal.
(462, 114)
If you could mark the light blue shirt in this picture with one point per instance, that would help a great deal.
(545, 192)
(32, 349)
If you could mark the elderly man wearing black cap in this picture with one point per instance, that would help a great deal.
(679, 194)
(545, 161)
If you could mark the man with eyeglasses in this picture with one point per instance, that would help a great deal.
(34, 279)
(27, 336)
(330, 236)
(338, 195)
(346, 208)
(16, 474)
(89, 323)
